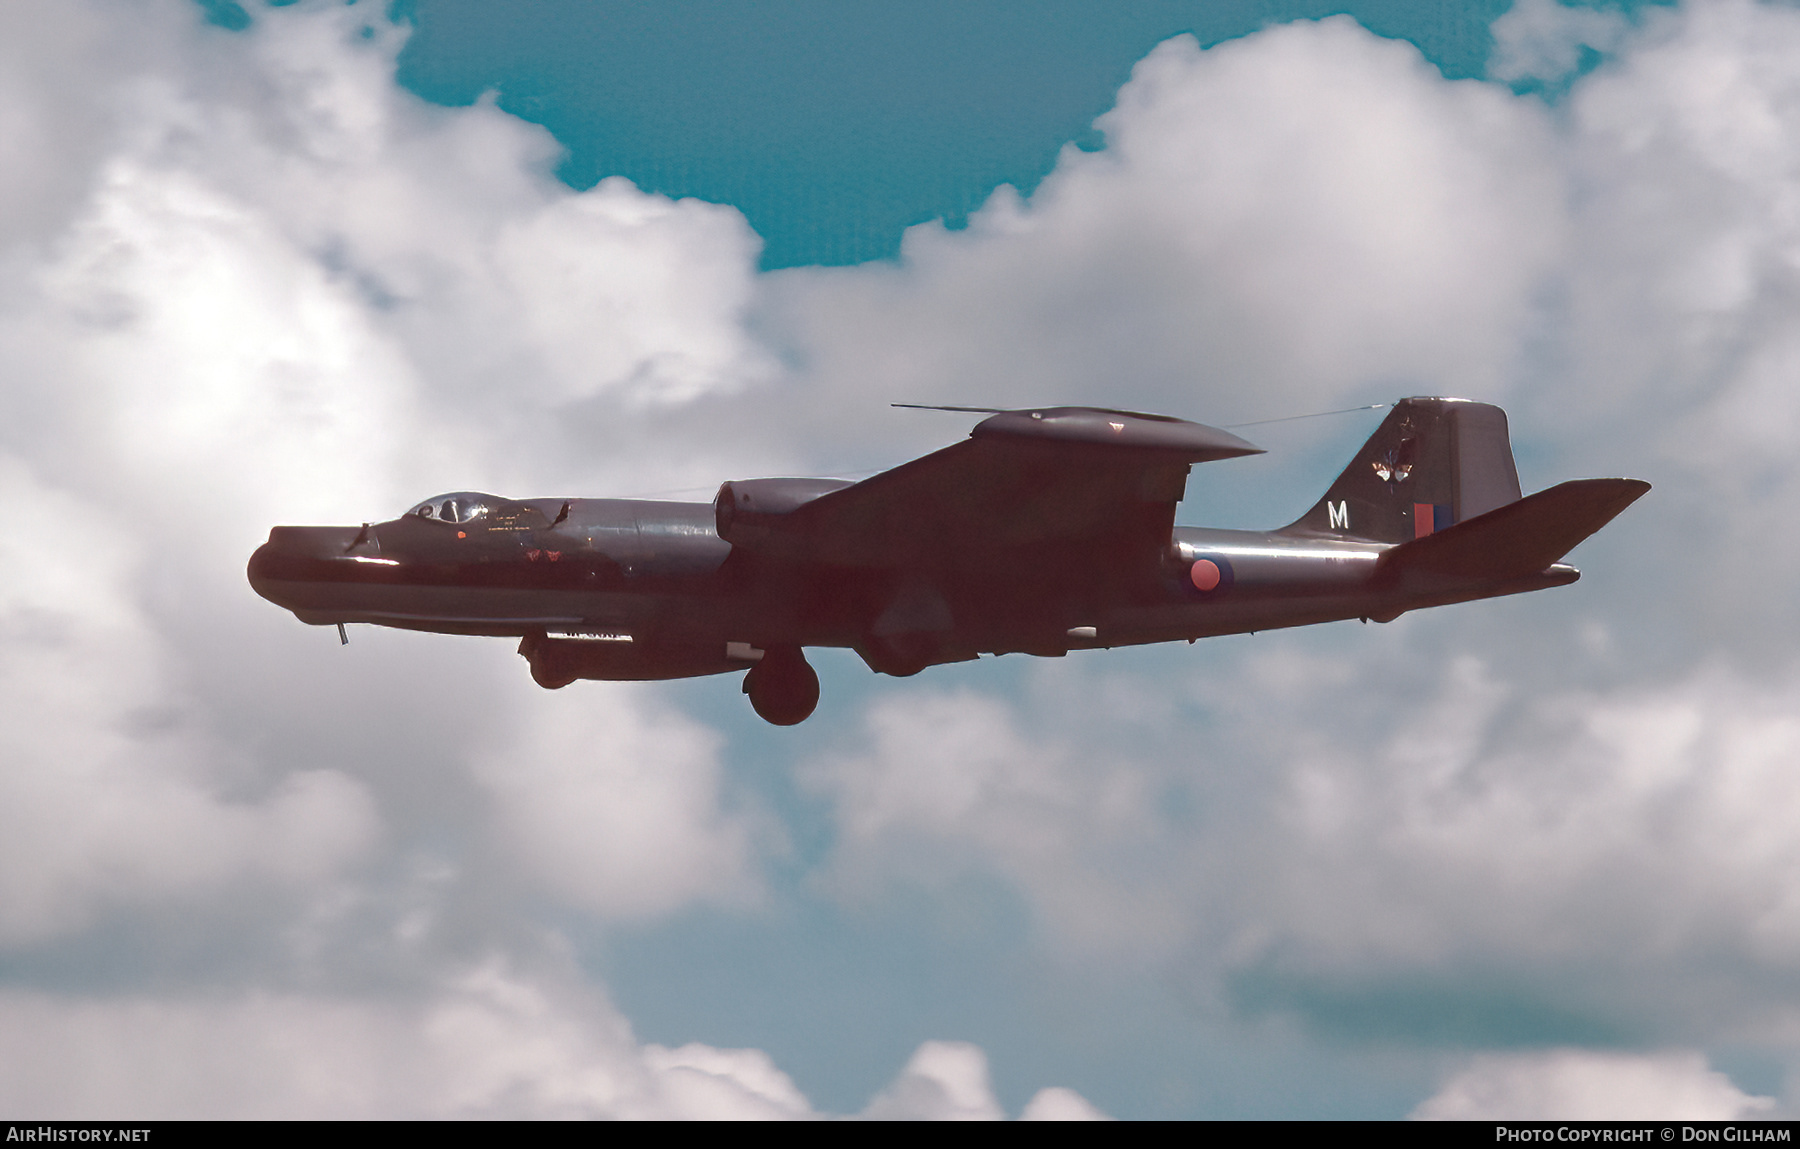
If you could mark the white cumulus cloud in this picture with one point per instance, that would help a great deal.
(488, 1042)
(244, 279)
(614, 807)
(1579, 1085)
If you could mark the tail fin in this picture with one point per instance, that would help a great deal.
(1432, 463)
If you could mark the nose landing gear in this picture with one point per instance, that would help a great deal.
(782, 687)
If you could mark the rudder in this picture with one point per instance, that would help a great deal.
(1431, 464)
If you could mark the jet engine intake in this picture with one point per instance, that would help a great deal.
(750, 512)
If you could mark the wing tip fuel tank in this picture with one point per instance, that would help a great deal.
(1101, 426)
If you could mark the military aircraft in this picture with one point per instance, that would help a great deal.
(1045, 531)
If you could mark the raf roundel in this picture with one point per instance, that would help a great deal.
(1205, 575)
(1209, 575)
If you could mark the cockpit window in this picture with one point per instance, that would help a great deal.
(457, 507)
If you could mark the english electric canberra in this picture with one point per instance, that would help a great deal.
(1045, 531)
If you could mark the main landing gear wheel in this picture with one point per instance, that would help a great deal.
(783, 688)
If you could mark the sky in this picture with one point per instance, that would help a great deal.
(1531, 857)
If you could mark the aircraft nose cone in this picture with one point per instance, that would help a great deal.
(294, 557)
(266, 564)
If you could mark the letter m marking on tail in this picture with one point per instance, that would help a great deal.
(1339, 514)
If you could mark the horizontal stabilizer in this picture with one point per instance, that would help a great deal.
(1520, 538)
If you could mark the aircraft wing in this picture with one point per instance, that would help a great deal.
(1051, 478)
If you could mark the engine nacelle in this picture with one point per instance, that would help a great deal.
(752, 513)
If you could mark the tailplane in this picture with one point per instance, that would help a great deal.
(1516, 540)
(1431, 464)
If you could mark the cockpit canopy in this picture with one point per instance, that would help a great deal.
(457, 507)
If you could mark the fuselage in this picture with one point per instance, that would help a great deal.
(1046, 530)
(658, 574)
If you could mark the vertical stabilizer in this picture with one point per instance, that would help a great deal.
(1431, 463)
